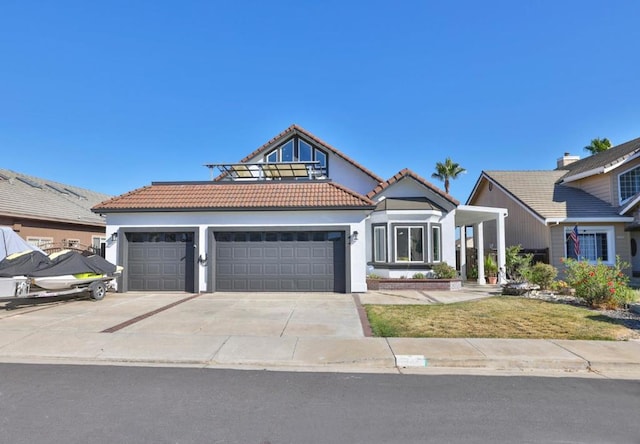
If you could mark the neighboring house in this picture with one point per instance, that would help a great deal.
(599, 195)
(47, 213)
(294, 215)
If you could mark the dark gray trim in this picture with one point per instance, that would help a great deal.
(211, 247)
(431, 225)
(425, 245)
(373, 242)
(123, 250)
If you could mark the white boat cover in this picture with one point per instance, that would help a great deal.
(11, 243)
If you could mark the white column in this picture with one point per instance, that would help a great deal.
(501, 247)
(480, 249)
(463, 253)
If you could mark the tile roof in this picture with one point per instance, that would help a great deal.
(184, 196)
(408, 173)
(297, 130)
(540, 192)
(32, 197)
(605, 159)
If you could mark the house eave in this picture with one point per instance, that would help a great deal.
(575, 220)
(584, 174)
(228, 209)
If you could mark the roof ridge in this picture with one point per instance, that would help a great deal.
(406, 172)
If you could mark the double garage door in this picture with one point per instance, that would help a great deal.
(280, 261)
(244, 261)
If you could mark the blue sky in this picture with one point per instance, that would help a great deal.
(114, 95)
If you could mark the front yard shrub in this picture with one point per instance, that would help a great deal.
(599, 284)
(517, 264)
(418, 276)
(373, 276)
(541, 274)
(443, 270)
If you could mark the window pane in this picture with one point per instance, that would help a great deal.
(286, 152)
(272, 156)
(287, 237)
(271, 237)
(379, 244)
(255, 237)
(305, 152)
(435, 244)
(416, 244)
(322, 158)
(629, 184)
(402, 244)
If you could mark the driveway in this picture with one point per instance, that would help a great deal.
(210, 314)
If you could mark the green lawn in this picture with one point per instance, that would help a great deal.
(497, 317)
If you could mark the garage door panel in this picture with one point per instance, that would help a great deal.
(279, 261)
(160, 261)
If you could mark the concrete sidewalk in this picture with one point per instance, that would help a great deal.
(185, 330)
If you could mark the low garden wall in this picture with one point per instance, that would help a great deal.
(413, 284)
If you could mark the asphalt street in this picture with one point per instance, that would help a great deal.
(107, 404)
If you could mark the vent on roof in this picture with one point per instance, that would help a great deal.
(29, 182)
(74, 193)
(3, 177)
(57, 188)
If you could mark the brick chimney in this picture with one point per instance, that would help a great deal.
(566, 160)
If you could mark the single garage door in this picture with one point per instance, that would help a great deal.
(280, 261)
(160, 261)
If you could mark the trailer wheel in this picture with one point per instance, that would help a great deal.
(97, 291)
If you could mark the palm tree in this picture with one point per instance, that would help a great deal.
(447, 170)
(598, 145)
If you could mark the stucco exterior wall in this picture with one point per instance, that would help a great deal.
(349, 221)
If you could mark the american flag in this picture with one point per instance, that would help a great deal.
(576, 240)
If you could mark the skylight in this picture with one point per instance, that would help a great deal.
(29, 182)
(57, 188)
(74, 193)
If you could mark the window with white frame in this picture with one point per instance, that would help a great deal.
(593, 243)
(436, 243)
(40, 242)
(297, 150)
(72, 243)
(379, 243)
(97, 241)
(629, 184)
(409, 243)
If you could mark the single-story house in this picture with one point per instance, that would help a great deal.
(46, 213)
(599, 196)
(294, 215)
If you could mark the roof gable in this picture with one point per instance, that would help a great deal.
(295, 130)
(436, 195)
(245, 196)
(32, 197)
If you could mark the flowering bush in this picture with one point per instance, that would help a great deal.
(599, 284)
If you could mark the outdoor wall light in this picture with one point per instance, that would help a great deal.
(353, 238)
(114, 236)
